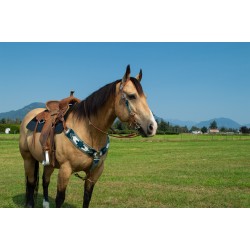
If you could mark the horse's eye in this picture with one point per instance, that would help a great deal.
(132, 97)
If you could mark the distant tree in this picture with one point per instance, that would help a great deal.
(183, 129)
(163, 126)
(245, 130)
(223, 130)
(213, 125)
(17, 121)
(176, 129)
(3, 121)
(194, 128)
(119, 125)
(204, 130)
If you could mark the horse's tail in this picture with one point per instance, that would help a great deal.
(36, 177)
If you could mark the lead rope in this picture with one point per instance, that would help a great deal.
(83, 178)
(132, 135)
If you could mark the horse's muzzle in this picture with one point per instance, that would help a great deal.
(149, 131)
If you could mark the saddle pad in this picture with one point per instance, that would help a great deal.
(32, 125)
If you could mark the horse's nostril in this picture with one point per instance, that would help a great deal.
(150, 127)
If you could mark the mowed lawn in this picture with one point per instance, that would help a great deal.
(163, 171)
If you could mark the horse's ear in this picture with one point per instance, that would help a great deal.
(139, 76)
(127, 75)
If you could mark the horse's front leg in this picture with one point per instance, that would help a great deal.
(88, 190)
(64, 174)
(92, 178)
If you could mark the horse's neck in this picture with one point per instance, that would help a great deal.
(103, 121)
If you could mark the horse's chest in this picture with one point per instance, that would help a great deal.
(82, 155)
(66, 152)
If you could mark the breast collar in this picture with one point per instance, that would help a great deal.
(85, 148)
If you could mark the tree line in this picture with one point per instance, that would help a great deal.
(167, 128)
(10, 121)
(163, 128)
(213, 125)
(122, 128)
(245, 130)
(14, 125)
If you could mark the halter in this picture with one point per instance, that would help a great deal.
(132, 120)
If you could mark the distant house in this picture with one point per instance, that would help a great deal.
(196, 132)
(214, 131)
(7, 130)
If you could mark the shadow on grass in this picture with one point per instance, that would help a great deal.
(19, 200)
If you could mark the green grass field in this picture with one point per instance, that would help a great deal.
(163, 171)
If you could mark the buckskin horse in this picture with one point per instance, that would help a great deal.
(84, 142)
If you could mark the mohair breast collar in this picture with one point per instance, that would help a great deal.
(85, 148)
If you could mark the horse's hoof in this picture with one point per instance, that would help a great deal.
(45, 204)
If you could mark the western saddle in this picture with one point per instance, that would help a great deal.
(56, 112)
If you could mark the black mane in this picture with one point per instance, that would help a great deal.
(97, 99)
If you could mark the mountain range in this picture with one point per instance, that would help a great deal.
(221, 122)
(20, 113)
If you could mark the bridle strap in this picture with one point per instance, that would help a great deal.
(116, 135)
(132, 120)
(132, 135)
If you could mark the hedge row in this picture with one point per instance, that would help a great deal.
(14, 128)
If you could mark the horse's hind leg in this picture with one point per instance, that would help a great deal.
(48, 170)
(31, 167)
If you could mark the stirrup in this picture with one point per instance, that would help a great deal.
(46, 162)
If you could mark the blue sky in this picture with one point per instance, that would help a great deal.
(186, 81)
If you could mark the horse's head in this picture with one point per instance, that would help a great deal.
(131, 105)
